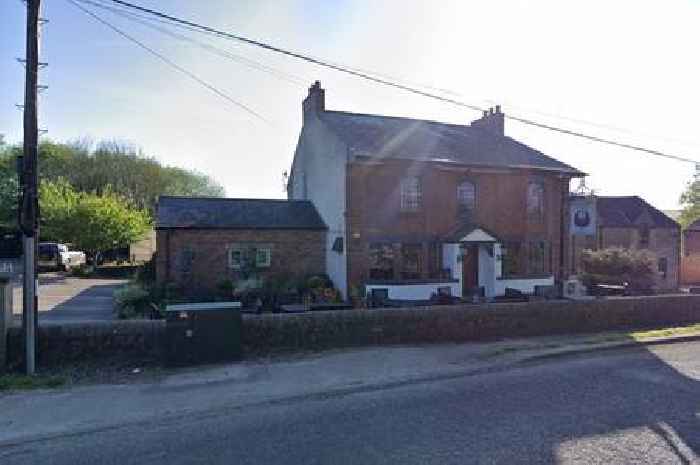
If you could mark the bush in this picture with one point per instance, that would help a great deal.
(133, 301)
(619, 266)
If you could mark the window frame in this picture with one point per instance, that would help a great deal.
(535, 213)
(462, 206)
(411, 191)
(231, 262)
(267, 262)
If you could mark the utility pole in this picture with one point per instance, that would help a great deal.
(30, 194)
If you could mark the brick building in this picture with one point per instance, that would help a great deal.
(202, 242)
(632, 223)
(416, 207)
(690, 260)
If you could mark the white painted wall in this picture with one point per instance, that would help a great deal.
(415, 291)
(318, 175)
(450, 259)
(523, 285)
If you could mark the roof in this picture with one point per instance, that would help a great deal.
(405, 138)
(694, 226)
(469, 232)
(626, 211)
(222, 213)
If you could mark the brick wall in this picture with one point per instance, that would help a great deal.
(297, 252)
(374, 207)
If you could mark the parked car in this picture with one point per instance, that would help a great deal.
(56, 256)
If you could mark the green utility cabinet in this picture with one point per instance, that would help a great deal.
(203, 333)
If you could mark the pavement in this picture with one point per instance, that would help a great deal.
(467, 403)
(66, 299)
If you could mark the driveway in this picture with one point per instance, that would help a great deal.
(63, 298)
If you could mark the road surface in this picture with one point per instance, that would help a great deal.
(629, 406)
(63, 298)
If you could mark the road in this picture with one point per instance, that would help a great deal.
(628, 406)
(63, 298)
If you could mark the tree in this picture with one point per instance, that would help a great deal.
(91, 222)
(8, 188)
(123, 167)
(690, 201)
(616, 265)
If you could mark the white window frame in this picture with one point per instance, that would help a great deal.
(231, 262)
(266, 261)
(411, 194)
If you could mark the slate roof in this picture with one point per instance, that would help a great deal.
(221, 213)
(694, 226)
(405, 138)
(625, 211)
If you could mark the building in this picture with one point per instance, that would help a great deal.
(202, 242)
(690, 261)
(418, 207)
(631, 223)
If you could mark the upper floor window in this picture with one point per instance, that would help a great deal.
(411, 195)
(466, 196)
(644, 234)
(535, 200)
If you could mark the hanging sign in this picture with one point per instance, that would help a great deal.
(583, 215)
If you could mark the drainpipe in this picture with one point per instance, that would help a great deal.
(562, 231)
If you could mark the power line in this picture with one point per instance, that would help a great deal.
(169, 62)
(148, 22)
(369, 77)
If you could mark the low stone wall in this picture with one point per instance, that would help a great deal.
(460, 323)
(69, 342)
(264, 334)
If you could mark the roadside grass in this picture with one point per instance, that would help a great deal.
(590, 340)
(23, 382)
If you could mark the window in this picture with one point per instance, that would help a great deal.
(535, 201)
(381, 261)
(466, 197)
(411, 258)
(263, 257)
(644, 236)
(538, 257)
(663, 266)
(511, 263)
(410, 194)
(235, 257)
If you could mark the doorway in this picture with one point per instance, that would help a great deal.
(470, 268)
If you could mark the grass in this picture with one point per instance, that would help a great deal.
(593, 339)
(665, 332)
(23, 382)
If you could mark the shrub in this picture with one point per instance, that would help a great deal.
(133, 301)
(616, 265)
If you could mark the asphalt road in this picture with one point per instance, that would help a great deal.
(632, 406)
(65, 299)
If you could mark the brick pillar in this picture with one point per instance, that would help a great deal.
(5, 318)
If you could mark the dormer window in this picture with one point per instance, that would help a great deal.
(535, 201)
(411, 195)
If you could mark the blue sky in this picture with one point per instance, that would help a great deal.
(622, 64)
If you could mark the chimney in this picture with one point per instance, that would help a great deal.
(315, 102)
(492, 121)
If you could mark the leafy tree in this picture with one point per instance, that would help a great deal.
(690, 200)
(91, 222)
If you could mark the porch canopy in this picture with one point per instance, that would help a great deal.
(471, 234)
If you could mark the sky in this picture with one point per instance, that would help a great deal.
(626, 70)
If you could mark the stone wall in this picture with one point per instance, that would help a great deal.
(462, 323)
(265, 334)
(70, 342)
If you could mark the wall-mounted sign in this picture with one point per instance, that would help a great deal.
(10, 244)
(583, 215)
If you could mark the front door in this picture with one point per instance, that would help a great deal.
(470, 268)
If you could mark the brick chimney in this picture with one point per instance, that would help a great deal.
(315, 102)
(492, 121)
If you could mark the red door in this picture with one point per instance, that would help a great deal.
(470, 268)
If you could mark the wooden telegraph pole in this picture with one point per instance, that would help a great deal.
(30, 180)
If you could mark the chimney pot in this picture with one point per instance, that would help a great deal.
(498, 108)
